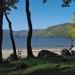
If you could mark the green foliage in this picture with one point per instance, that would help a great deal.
(9, 4)
(44, 1)
(71, 30)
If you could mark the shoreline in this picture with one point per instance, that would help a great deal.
(37, 48)
(6, 53)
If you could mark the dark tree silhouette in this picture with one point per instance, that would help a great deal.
(4, 6)
(29, 37)
(66, 3)
(11, 36)
(71, 45)
(7, 5)
(1, 31)
(44, 1)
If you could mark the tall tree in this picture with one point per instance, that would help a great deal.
(8, 4)
(71, 30)
(11, 36)
(1, 31)
(29, 37)
(5, 5)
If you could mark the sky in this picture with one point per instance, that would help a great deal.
(42, 15)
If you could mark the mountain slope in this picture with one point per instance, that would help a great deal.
(60, 30)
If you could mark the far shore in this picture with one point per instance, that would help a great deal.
(6, 52)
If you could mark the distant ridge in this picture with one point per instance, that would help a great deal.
(60, 30)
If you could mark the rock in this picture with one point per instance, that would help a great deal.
(53, 57)
(46, 53)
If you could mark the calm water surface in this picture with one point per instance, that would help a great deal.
(38, 42)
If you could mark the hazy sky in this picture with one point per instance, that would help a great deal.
(43, 15)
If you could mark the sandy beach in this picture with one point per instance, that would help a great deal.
(6, 53)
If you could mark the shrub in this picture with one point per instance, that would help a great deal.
(65, 52)
(12, 57)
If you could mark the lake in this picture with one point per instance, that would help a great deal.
(38, 42)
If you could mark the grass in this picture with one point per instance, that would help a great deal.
(37, 66)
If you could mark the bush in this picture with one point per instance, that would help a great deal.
(72, 52)
(65, 52)
(12, 57)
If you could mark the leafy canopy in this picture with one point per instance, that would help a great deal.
(9, 4)
(71, 28)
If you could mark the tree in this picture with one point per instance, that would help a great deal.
(71, 30)
(29, 37)
(5, 5)
(66, 3)
(44, 1)
(1, 31)
(11, 36)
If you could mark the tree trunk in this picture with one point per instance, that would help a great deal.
(1, 31)
(29, 37)
(11, 36)
(71, 45)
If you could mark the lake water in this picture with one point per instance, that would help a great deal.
(38, 42)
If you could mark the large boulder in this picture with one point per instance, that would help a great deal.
(46, 53)
(50, 55)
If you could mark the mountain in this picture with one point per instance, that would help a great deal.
(60, 30)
